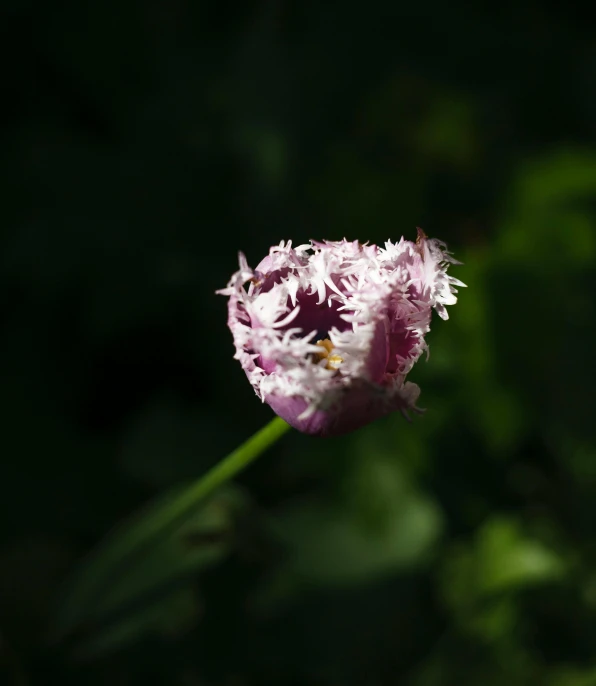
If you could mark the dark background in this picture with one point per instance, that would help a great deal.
(143, 144)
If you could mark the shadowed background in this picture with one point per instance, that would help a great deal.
(143, 144)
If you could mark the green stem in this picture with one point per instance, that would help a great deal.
(127, 544)
(227, 468)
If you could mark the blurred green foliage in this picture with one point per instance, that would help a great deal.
(144, 144)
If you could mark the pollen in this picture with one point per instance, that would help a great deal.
(333, 361)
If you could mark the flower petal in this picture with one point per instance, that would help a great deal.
(354, 408)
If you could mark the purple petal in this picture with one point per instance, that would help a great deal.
(376, 363)
(353, 409)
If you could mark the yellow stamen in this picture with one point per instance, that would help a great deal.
(333, 361)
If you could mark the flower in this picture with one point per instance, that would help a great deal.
(327, 332)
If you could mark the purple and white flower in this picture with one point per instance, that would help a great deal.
(327, 332)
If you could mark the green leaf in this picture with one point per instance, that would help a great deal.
(178, 534)
(381, 525)
(332, 547)
(500, 560)
(169, 616)
(572, 676)
(110, 586)
(508, 560)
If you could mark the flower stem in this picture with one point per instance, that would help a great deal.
(227, 468)
(124, 550)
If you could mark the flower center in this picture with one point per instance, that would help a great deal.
(333, 360)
